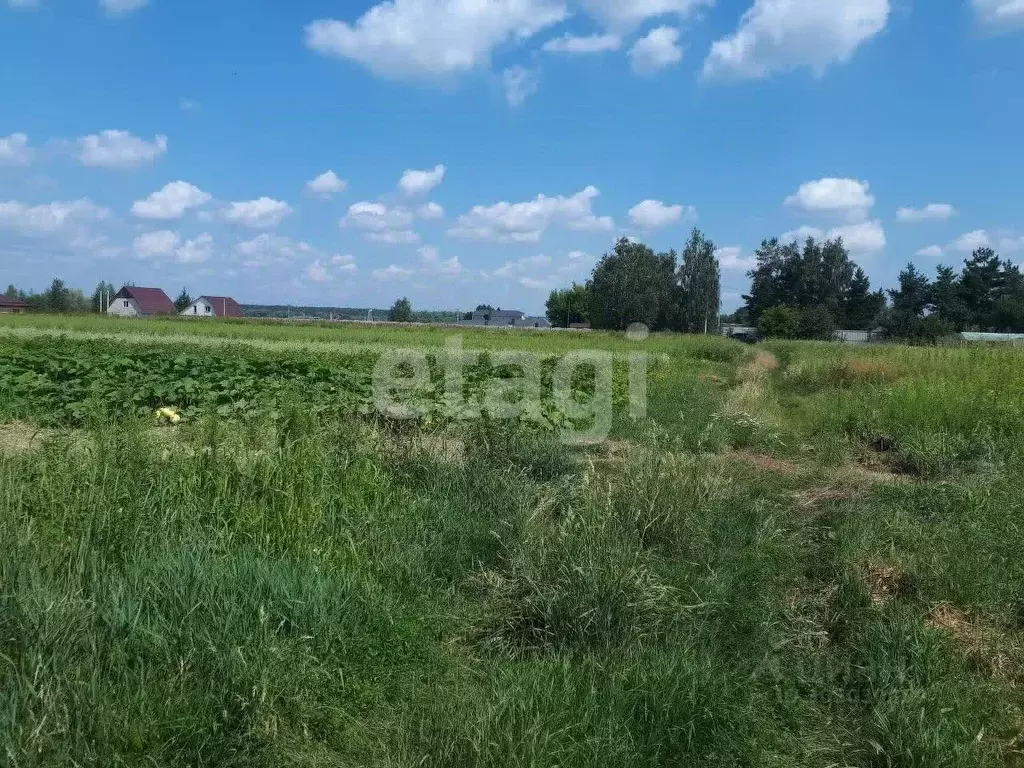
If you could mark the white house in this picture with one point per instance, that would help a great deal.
(132, 301)
(213, 306)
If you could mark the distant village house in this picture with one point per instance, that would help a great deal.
(132, 301)
(505, 318)
(12, 306)
(214, 306)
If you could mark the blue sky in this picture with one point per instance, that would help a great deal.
(461, 151)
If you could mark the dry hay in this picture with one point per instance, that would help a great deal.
(712, 379)
(17, 438)
(983, 643)
(443, 447)
(886, 583)
(763, 462)
(750, 395)
(850, 482)
(765, 361)
(868, 370)
(809, 614)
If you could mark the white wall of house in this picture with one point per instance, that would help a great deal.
(199, 308)
(124, 308)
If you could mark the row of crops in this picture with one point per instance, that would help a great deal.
(64, 380)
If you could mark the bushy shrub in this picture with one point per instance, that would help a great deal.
(780, 323)
(817, 323)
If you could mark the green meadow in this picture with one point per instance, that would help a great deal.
(801, 555)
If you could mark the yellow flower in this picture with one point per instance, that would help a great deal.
(168, 414)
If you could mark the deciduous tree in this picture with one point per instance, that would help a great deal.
(700, 285)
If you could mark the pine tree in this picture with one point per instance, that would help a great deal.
(184, 301)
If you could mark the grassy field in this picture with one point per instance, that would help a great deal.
(804, 555)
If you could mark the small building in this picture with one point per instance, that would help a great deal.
(853, 337)
(579, 326)
(132, 301)
(745, 333)
(532, 321)
(9, 305)
(1016, 339)
(496, 317)
(214, 306)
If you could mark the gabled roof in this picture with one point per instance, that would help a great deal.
(224, 306)
(151, 301)
(12, 303)
(507, 313)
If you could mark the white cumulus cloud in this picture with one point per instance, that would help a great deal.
(432, 38)
(525, 222)
(1000, 12)
(267, 249)
(14, 149)
(317, 272)
(381, 223)
(626, 14)
(520, 84)
(931, 252)
(658, 49)
(588, 44)
(431, 263)
(654, 214)
(195, 251)
(165, 244)
(262, 213)
(730, 259)
(326, 184)
(119, 150)
(171, 202)
(49, 218)
(159, 243)
(344, 262)
(864, 238)
(430, 210)
(782, 35)
(414, 182)
(392, 272)
(849, 197)
(929, 212)
(800, 234)
(972, 241)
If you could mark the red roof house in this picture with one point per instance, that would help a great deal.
(132, 301)
(214, 306)
(11, 305)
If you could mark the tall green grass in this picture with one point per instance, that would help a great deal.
(320, 591)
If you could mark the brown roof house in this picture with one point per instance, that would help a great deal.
(12, 306)
(214, 306)
(132, 301)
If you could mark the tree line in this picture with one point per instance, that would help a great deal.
(804, 293)
(986, 295)
(796, 291)
(633, 284)
(60, 299)
(808, 292)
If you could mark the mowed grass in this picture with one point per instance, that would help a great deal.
(750, 576)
